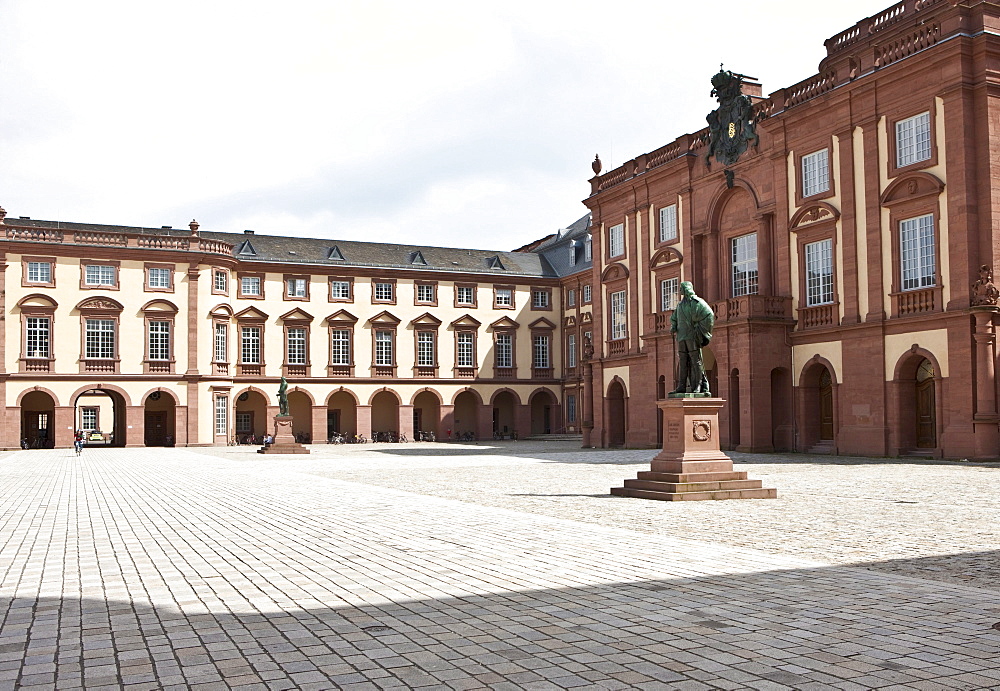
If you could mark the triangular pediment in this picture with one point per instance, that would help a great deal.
(251, 314)
(335, 254)
(296, 314)
(426, 319)
(541, 323)
(100, 303)
(466, 321)
(385, 319)
(341, 317)
(504, 323)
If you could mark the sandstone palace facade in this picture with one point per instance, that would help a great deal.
(843, 229)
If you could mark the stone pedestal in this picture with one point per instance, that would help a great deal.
(691, 466)
(284, 438)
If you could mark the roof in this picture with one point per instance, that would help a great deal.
(556, 248)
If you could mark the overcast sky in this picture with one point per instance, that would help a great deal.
(464, 124)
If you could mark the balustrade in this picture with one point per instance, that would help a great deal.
(504, 372)
(910, 302)
(37, 365)
(618, 346)
(817, 316)
(541, 372)
(99, 366)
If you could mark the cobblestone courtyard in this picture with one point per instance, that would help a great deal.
(472, 566)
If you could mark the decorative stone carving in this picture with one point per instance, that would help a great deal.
(702, 430)
(597, 165)
(731, 125)
(588, 348)
(983, 290)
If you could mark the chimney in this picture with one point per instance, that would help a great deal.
(248, 232)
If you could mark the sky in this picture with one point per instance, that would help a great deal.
(460, 124)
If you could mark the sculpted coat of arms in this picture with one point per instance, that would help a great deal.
(731, 125)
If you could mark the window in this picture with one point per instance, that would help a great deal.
(250, 286)
(668, 294)
(744, 258)
(159, 340)
(340, 290)
(99, 339)
(815, 173)
(296, 287)
(383, 292)
(571, 350)
(539, 299)
(586, 294)
(668, 223)
(425, 292)
(383, 348)
(540, 352)
(504, 350)
(916, 251)
(465, 295)
(89, 418)
(588, 252)
(157, 277)
(39, 272)
(222, 415)
(465, 355)
(570, 408)
(618, 325)
(38, 334)
(244, 423)
(616, 241)
(296, 345)
(425, 349)
(221, 342)
(572, 253)
(819, 273)
(250, 345)
(504, 297)
(571, 297)
(100, 275)
(220, 281)
(913, 140)
(340, 347)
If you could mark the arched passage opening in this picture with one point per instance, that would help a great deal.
(100, 413)
(818, 424)
(543, 403)
(467, 414)
(300, 408)
(385, 412)
(341, 414)
(251, 417)
(159, 419)
(616, 414)
(426, 413)
(926, 404)
(38, 411)
(503, 414)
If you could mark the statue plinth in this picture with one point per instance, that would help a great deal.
(692, 466)
(284, 438)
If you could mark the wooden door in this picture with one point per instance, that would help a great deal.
(156, 428)
(825, 406)
(926, 417)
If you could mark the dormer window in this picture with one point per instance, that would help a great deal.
(335, 254)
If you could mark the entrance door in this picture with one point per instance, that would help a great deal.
(825, 406)
(156, 428)
(418, 417)
(926, 422)
(332, 423)
(616, 414)
(36, 429)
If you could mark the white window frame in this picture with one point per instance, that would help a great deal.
(88, 418)
(571, 297)
(296, 347)
(251, 352)
(616, 240)
(505, 297)
(101, 336)
(571, 350)
(540, 351)
(340, 347)
(587, 293)
(465, 295)
(913, 139)
(250, 286)
(669, 291)
(504, 350)
(917, 260)
(588, 248)
(222, 415)
(384, 348)
(100, 275)
(743, 253)
(816, 172)
(539, 299)
(383, 292)
(819, 272)
(38, 337)
(158, 336)
(425, 292)
(465, 349)
(668, 223)
(221, 342)
(220, 281)
(159, 277)
(296, 287)
(39, 272)
(619, 323)
(340, 290)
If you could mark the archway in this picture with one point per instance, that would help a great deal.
(916, 397)
(427, 413)
(818, 421)
(251, 417)
(616, 414)
(100, 413)
(385, 412)
(467, 413)
(341, 414)
(925, 418)
(38, 411)
(503, 413)
(159, 419)
(300, 408)
(543, 403)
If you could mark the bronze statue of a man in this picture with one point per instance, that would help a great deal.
(283, 398)
(692, 322)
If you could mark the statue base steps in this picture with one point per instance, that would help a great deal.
(691, 466)
(284, 439)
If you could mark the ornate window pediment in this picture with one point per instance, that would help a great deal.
(466, 321)
(541, 323)
(161, 306)
(297, 315)
(614, 272)
(385, 319)
(251, 314)
(221, 312)
(426, 320)
(504, 323)
(103, 304)
(811, 214)
(570, 321)
(341, 317)
(911, 186)
(668, 256)
(37, 301)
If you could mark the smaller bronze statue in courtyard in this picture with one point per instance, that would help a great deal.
(692, 322)
(283, 398)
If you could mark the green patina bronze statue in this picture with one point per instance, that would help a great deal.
(692, 322)
(283, 398)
